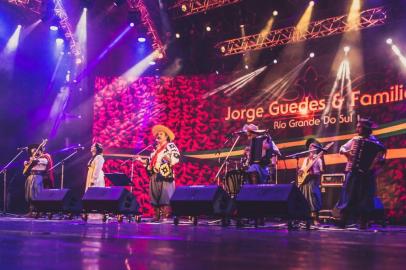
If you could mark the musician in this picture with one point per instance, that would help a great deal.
(259, 171)
(311, 185)
(95, 174)
(160, 170)
(39, 175)
(357, 194)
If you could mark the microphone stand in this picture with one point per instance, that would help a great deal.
(62, 162)
(226, 159)
(132, 165)
(4, 172)
(296, 156)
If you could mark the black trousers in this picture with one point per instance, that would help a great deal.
(357, 195)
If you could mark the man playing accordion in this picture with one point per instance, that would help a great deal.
(261, 155)
(363, 153)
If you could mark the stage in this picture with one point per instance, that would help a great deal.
(73, 244)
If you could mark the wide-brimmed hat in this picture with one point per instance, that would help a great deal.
(34, 146)
(166, 130)
(252, 128)
(312, 140)
(367, 123)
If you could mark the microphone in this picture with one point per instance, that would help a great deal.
(22, 148)
(240, 132)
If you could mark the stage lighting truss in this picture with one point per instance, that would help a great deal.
(67, 29)
(149, 24)
(32, 5)
(317, 29)
(184, 8)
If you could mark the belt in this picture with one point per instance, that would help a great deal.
(37, 172)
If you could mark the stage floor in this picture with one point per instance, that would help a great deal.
(61, 244)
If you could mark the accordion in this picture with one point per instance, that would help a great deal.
(364, 154)
(255, 156)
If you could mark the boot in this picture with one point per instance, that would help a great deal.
(167, 211)
(315, 218)
(363, 225)
(157, 214)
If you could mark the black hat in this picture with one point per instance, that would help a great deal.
(34, 146)
(367, 123)
(312, 140)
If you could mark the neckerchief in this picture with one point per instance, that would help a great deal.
(155, 157)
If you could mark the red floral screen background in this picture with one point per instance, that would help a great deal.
(125, 113)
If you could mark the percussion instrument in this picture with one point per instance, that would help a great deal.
(233, 182)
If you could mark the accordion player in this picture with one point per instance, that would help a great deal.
(364, 152)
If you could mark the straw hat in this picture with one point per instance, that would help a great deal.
(166, 130)
(253, 128)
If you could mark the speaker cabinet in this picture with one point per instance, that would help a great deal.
(200, 200)
(56, 200)
(110, 200)
(283, 201)
(329, 197)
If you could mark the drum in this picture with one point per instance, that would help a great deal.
(233, 182)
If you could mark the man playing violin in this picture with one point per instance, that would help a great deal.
(160, 170)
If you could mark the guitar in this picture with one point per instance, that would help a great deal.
(306, 171)
(30, 164)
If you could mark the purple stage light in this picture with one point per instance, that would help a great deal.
(142, 39)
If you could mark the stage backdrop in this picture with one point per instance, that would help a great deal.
(295, 102)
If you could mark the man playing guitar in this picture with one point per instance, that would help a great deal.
(309, 177)
(37, 171)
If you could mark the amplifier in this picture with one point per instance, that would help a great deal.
(332, 180)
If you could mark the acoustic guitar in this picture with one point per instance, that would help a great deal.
(30, 164)
(301, 178)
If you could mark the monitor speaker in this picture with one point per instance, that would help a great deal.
(116, 200)
(283, 201)
(200, 200)
(56, 200)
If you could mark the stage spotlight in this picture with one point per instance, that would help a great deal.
(183, 8)
(346, 49)
(222, 49)
(311, 55)
(78, 61)
(152, 63)
(246, 66)
(53, 28)
(311, 3)
(208, 28)
(118, 2)
(142, 39)
(389, 41)
(132, 24)
(217, 72)
(275, 13)
(59, 41)
(177, 35)
(275, 61)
